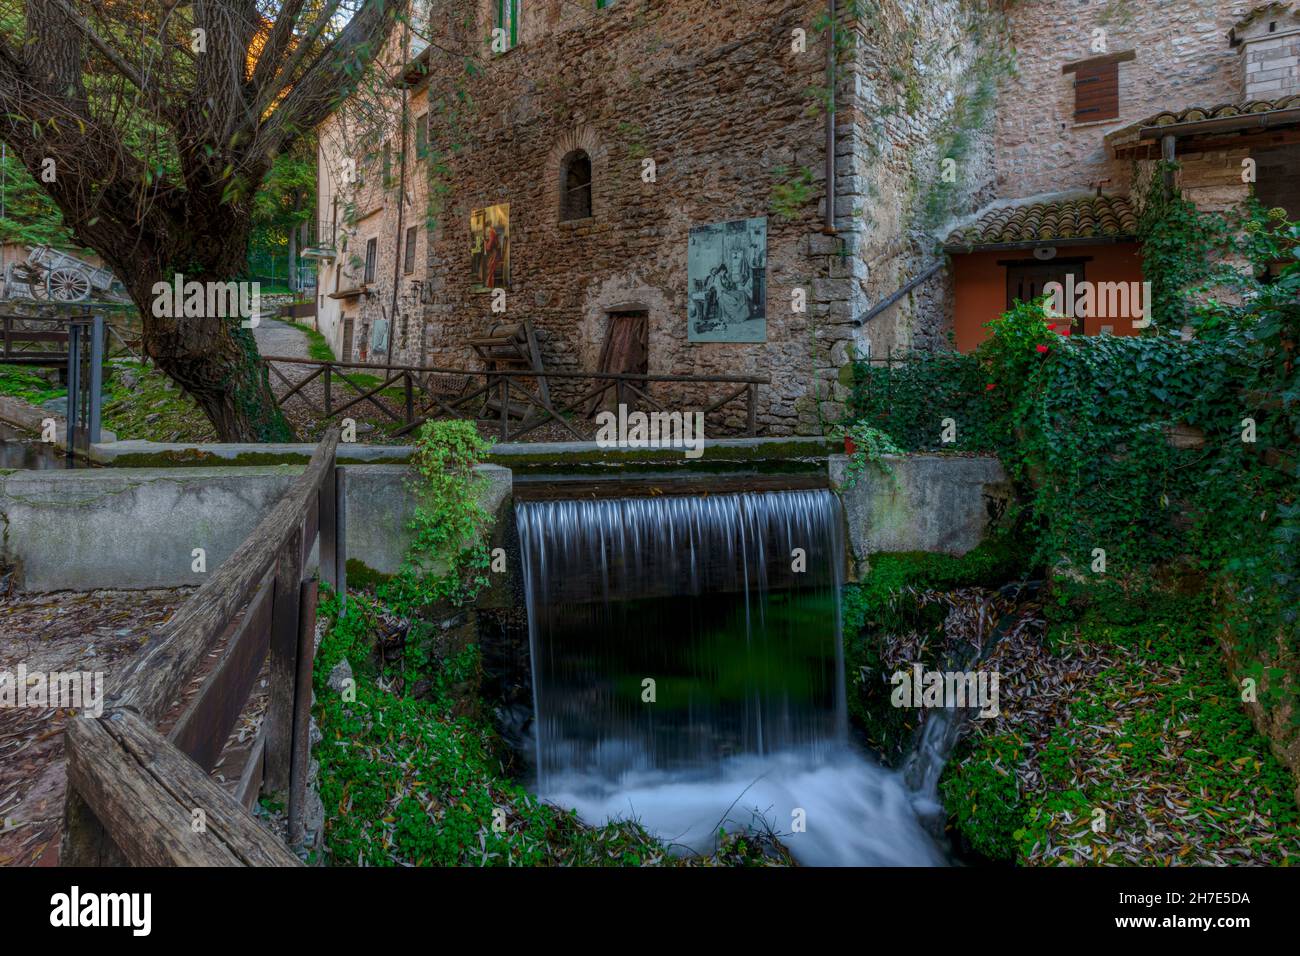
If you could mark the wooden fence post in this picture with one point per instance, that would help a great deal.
(327, 505)
(341, 536)
(85, 842)
(284, 666)
(301, 747)
(328, 369)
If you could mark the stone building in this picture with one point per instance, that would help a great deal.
(1101, 89)
(646, 182)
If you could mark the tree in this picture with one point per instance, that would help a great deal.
(151, 126)
(284, 203)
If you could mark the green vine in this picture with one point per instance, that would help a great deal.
(447, 559)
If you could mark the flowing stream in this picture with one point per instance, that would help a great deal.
(688, 673)
(26, 453)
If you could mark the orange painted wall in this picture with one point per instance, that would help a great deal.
(980, 286)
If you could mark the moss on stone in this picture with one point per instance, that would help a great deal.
(362, 576)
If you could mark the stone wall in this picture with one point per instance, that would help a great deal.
(1183, 58)
(718, 99)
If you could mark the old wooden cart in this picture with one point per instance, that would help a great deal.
(56, 276)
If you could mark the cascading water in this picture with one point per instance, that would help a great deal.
(688, 672)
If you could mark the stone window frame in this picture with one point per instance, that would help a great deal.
(581, 139)
(372, 260)
(497, 11)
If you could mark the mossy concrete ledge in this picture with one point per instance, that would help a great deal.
(138, 527)
(153, 454)
(946, 504)
(755, 455)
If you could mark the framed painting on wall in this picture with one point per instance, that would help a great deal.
(489, 250)
(726, 274)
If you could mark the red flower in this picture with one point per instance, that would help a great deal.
(1042, 348)
(1066, 331)
(990, 386)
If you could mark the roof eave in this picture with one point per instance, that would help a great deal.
(962, 248)
(1268, 119)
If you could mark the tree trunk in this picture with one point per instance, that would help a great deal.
(216, 362)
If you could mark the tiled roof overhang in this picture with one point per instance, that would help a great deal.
(1090, 220)
(1198, 121)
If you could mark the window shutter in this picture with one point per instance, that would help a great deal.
(1096, 92)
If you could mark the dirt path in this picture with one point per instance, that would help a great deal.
(280, 338)
(93, 631)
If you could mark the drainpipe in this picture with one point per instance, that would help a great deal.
(829, 227)
(1167, 154)
(399, 253)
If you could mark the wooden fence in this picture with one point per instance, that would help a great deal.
(499, 397)
(43, 339)
(143, 796)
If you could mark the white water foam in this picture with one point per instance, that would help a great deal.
(857, 812)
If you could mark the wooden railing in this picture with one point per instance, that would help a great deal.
(33, 341)
(145, 797)
(43, 339)
(499, 398)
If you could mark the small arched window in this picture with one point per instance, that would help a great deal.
(575, 186)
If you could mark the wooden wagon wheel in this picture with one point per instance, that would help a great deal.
(67, 285)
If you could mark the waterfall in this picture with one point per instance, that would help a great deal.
(728, 603)
(688, 672)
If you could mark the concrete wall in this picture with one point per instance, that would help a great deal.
(942, 503)
(137, 527)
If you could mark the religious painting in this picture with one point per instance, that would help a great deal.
(726, 273)
(489, 252)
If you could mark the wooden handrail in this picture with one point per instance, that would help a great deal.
(132, 793)
(146, 794)
(149, 682)
(529, 373)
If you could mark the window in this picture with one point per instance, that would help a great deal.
(575, 186)
(388, 165)
(422, 136)
(508, 20)
(409, 265)
(1096, 86)
(372, 251)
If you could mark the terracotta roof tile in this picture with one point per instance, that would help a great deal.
(1195, 114)
(1092, 217)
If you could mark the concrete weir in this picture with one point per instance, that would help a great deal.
(136, 523)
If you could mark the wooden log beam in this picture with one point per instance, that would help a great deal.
(156, 804)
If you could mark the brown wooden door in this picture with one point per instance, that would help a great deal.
(626, 349)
